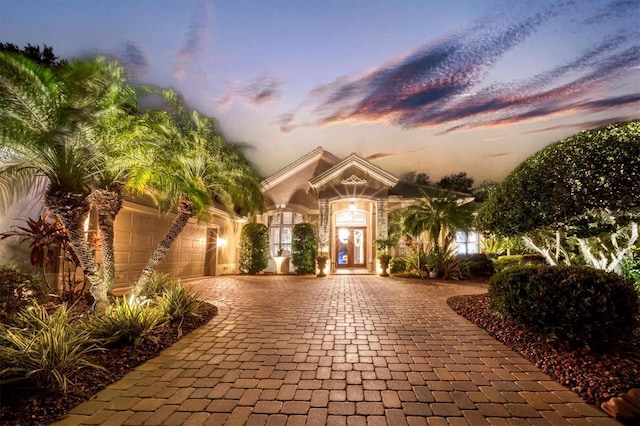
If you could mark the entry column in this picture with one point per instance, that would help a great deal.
(323, 226)
(382, 217)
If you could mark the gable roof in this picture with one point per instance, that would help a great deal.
(354, 161)
(298, 165)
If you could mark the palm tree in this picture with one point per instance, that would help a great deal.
(196, 169)
(48, 127)
(443, 213)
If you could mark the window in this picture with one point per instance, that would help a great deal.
(281, 231)
(467, 242)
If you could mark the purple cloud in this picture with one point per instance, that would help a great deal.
(441, 83)
(260, 91)
(133, 58)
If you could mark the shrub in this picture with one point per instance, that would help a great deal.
(17, 290)
(46, 348)
(476, 265)
(304, 247)
(397, 265)
(577, 303)
(157, 284)
(416, 263)
(128, 320)
(504, 262)
(254, 248)
(631, 270)
(178, 303)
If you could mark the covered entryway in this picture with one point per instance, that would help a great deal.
(350, 247)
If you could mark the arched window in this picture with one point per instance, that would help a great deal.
(280, 232)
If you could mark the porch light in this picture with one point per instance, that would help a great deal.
(352, 206)
(221, 242)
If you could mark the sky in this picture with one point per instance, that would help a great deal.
(433, 86)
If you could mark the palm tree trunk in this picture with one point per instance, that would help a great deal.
(72, 209)
(186, 210)
(107, 203)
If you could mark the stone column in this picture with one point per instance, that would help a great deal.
(382, 215)
(323, 224)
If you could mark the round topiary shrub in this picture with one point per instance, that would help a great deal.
(576, 303)
(254, 248)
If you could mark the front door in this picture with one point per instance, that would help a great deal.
(350, 247)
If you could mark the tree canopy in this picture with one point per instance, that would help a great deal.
(570, 183)
(459, 182)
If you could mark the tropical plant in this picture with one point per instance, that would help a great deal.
(195, 169)
(416, 263)
(157, 284)
(583, 188)
(50, 124)
(47, 348)
(304, 246)
(397, 265)
(49, 241)
(128, 320)
(177, 303)
(254, 248)
(443, 214)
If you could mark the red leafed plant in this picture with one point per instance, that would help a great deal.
(49, 240)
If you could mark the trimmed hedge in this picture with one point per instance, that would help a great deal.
(254, 248)
(476, 265)
(304, 247)
(504, 262)
(577, 303)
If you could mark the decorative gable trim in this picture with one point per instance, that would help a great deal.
(354, 161)
(353, 180)
(295, 167)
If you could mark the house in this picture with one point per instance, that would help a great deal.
(348, 199)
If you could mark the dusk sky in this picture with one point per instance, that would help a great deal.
(427, 85)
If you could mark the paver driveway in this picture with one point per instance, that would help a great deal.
(343, 350)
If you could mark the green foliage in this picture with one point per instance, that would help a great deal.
(177, 303)
(47, 348)
(416, 262)
(158, 283)
(475, 265)
(397, 265)
(631, 271)
(459, 182)
(304, 247)
(481, 193)
(45, 57)
(504, 262)
(494, 246)
(254, 248)
(433, 215)
(593, 171)
(580, 304)
(128, 320)
(17, 290)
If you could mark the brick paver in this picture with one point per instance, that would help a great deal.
(344, 350)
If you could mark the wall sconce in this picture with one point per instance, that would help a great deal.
(352, 206)
(281, 205)
(221, 242)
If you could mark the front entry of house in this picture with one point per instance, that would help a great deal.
(350, 247)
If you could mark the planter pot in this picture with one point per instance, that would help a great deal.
(321, 265)
(384, 264)
(433, 274)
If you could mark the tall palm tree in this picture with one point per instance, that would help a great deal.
(48, 125)
(440, 216)
(196, 169)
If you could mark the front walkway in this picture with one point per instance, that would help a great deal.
(341, 350)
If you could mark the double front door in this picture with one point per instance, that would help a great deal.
(350, 247)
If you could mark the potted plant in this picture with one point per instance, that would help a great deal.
(384, 259)
(321, 259)
(434, 261)
(382, 244)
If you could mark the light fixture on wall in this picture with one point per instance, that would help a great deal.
(221, 242)
(281, 205)
(352, 206)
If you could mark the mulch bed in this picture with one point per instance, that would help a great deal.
(596, 376)
(21, 405)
